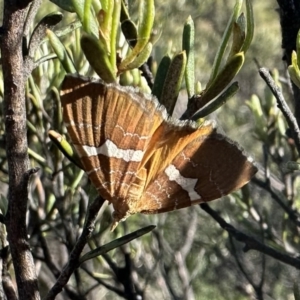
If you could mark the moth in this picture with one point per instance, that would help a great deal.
(140, 159)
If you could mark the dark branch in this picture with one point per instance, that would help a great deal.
(76, 252)
(293, 215)
(250, 242)
(291, 120)
(14, 112)
(6, 279)
(37, 36)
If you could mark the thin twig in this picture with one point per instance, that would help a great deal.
(101, 282)
(250, 242)
(292, 213)
(282, 105)
(239, 263)
(146, 72)
(7, 282)
(75, 254)
(38, 34)
(32, 11)
(124, 276)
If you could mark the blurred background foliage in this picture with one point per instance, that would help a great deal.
(188, 256)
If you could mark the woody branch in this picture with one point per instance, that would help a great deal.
(16, 147)
(250, 242)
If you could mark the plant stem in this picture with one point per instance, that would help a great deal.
(16, 148)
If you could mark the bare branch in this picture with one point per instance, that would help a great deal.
(38, 34)
(250, 242)
(6, 280)
(75, 254)
(16, 148)
(33, 8)
(292, 213)
(291, 120)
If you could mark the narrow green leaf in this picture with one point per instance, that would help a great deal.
(198, 88)
(295, 76)
(188, 44)
(294, 60)
(141, 58)
(48, 22)
(224, 42)
(64, 147)
(76, 181)
(105, 4)
(115, 244)
(173, 82)
(129, 30)
(36, 99)
(146, 19)
(107, 16)
(256, 108)
(250, 26)
(241, 22)
(160, 77)
(87, 16)
(61, 52)
(114, 31)
(96, 5)
(37, 157)
(218, 102)
(98, 58)
(79, 8)
(223, 79)
(57, 119)
(238, 37)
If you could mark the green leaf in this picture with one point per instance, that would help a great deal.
(98, 58)
(218, 102)
(86, 16)
(141, 58)
(129, 30)
(224, 42)
(238, 37)
(173, 82)
(61, 52)
(146, 19)
(114, 32)
(188, 44)
(250, 26)
(115, 244)
(104, 17)
(65, 5)
(160, 77)
(256, 108)
(223, 79)
(295, 75)
(295, 63)
(64, 147)
(79, 8)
